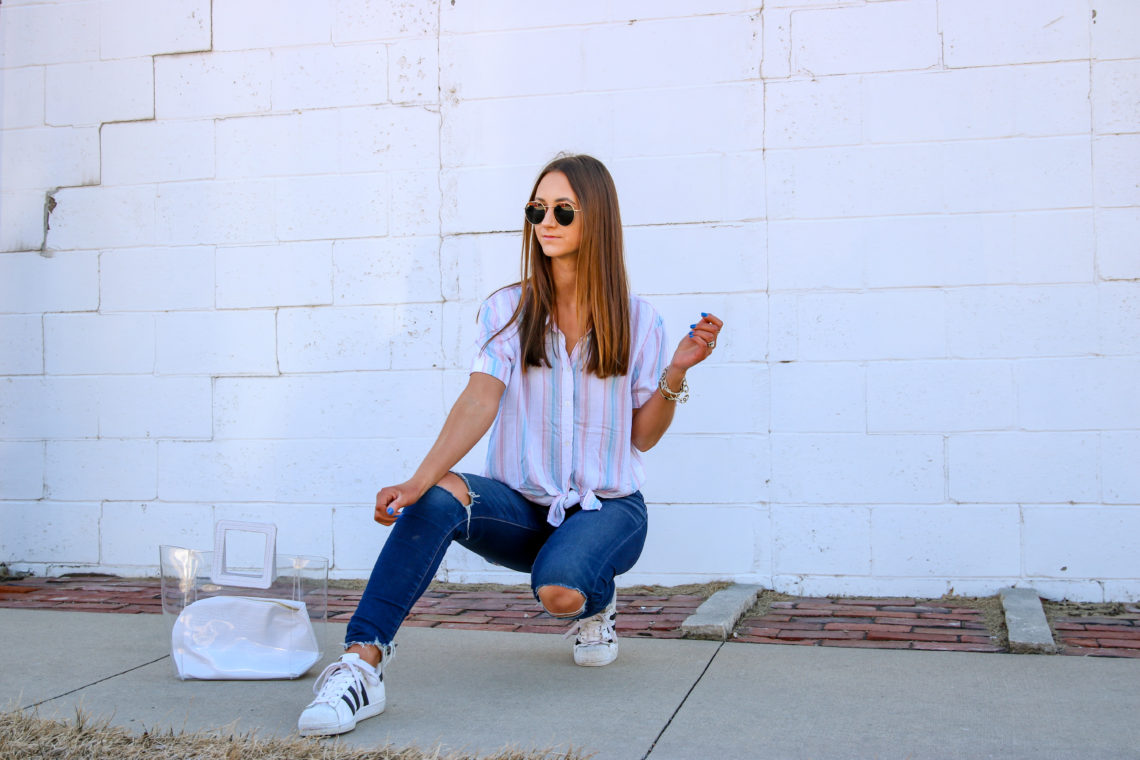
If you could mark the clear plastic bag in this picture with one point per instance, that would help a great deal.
(298, 583)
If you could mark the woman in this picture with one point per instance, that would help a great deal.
(571, 379)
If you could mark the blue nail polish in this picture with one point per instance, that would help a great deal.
(690, 335)
(391, 511)
(703, 314)
(691, 326)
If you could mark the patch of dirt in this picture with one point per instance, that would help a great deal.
(1054, 610)
(25, 736)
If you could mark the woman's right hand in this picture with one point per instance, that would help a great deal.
(391, 500)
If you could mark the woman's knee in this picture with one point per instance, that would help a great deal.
(439, 505)
(560, 601)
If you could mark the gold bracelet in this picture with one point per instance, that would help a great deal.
(680, 396)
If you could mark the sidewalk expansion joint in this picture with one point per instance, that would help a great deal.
(94, 683)
(684, 699)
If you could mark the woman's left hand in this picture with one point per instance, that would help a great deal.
(698, 345)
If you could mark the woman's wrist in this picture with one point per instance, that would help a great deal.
(673, 386)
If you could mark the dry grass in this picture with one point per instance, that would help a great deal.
(24, 736)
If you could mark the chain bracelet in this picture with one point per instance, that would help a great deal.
(680, 396)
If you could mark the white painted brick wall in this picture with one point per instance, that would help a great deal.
(130, 28)
(1120, 317)
(103, 469)
(53, 33)
(216, 343)
(132, 531)
(1112, 32)
(1116, 96)
(195, 213)
(318, 208)
(875, 37)
(946, 541)
(22, 223)
(50, 533)
(332, 406)
(156, 279)
(271, 226)
(22, 352)
(140, 406)
(1118, 243)
(1078, 394)
(1003, 322)
(22, 470)
(293, 274)
(243, 24)
(934, 396)
(335, 340)
(92, 93)
(821, 540)
(387, 270)
(809, 468)
(1015, 101)
(1076, 542)
(932, 251)
(23, 94)
(983, 33)
(1119, 454)
(212, 84)
(1010, 467)
(157, 151)
(50, 157)
(1117, 166)
(39, 408)
(325, 77)
(816, 397)
(96, 344)
(102, 217)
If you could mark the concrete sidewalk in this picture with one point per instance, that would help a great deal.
(662, 699)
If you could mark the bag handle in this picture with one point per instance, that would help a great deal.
(261, 577)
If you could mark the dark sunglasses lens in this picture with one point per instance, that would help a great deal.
(564, 214)
(535, 213)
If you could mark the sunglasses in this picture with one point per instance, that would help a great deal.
(563, 212)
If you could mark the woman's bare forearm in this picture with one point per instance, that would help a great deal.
(653, 418)
(469, 420)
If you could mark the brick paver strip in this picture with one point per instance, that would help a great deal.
(870, 624)
(889, 623)
(1100, 636)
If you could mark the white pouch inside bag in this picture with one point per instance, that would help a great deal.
(243, 638)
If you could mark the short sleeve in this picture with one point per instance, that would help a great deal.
(495, 354)
(650, 357)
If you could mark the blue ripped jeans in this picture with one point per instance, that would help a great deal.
(584, 553)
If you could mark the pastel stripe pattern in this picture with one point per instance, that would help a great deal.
(563, 436)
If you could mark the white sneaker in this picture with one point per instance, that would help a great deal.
(348, 691)
(597, 643)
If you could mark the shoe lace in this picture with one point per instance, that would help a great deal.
(336, 679)
(592, 630)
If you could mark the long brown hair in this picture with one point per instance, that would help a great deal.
(602, 288)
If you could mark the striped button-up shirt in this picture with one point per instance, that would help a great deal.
(562, 436)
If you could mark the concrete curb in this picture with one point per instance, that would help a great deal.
(1029, 631)
(717, 616)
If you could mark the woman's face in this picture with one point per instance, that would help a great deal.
(555, 239)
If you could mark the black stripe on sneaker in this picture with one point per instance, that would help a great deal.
(354, 703)
(363, 696)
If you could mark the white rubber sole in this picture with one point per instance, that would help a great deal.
(368, 711)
